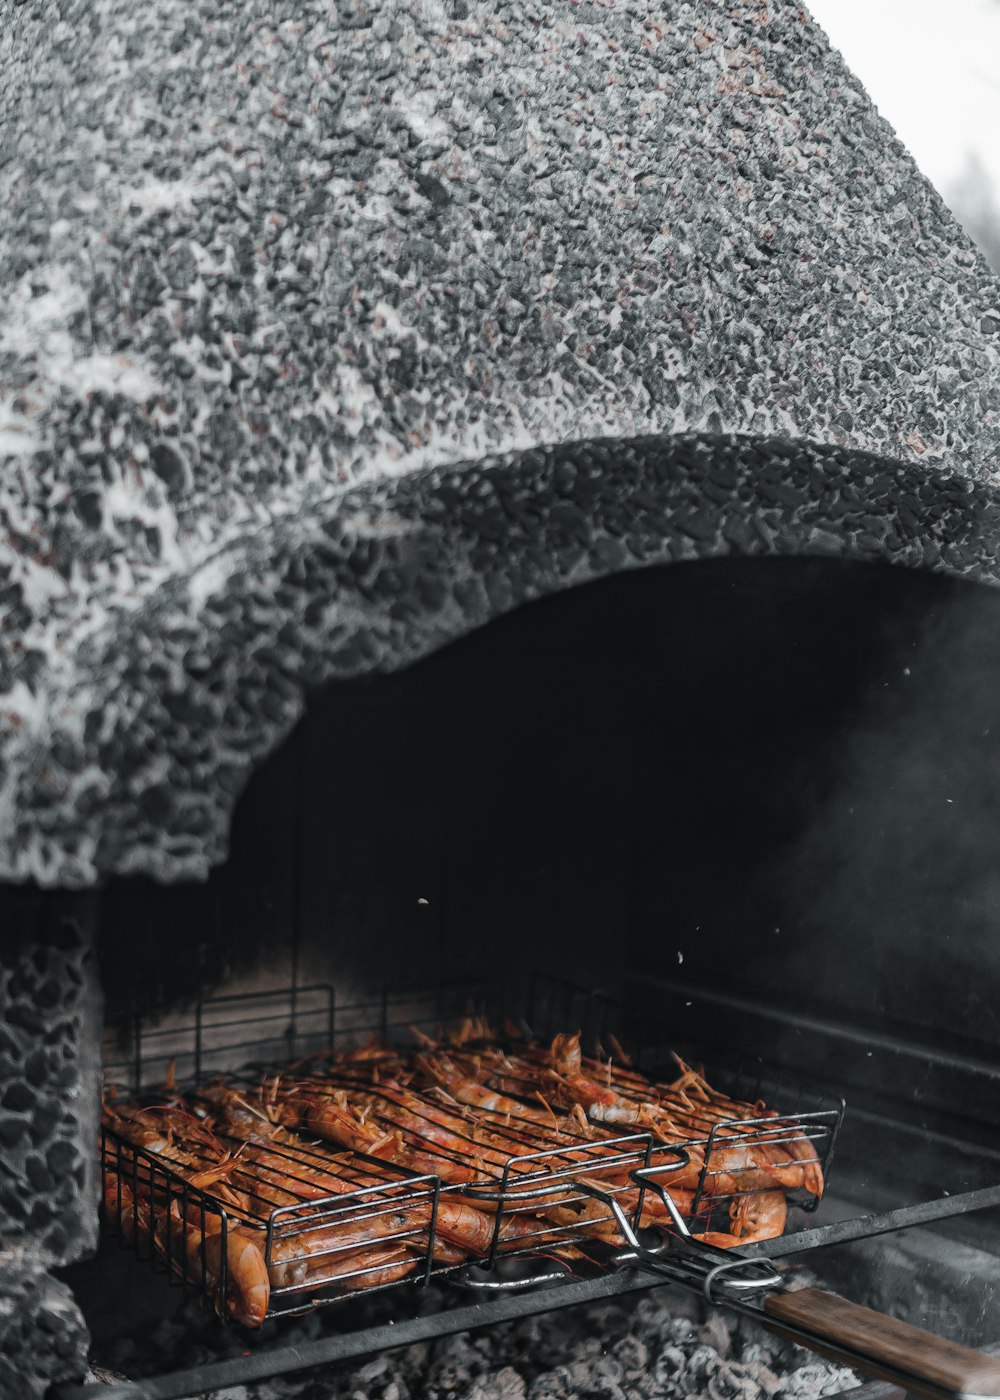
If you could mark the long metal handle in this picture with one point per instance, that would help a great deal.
(867, 1341)
(882, 1346)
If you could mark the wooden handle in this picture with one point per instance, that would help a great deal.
(884, 1346)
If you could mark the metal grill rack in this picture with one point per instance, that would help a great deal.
(188, 1232)
(306, 1020)
(312, 1247)
(554, 1003)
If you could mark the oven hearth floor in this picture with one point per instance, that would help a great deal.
(661, 1344)
(665, 1344)
(656, 1343)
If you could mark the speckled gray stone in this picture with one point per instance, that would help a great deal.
(275, 277)
(43, 1338)
(50, 1022)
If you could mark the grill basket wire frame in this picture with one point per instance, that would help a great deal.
(555, 1002)
(154, 1185)
(307, 1019)
(155, 1188)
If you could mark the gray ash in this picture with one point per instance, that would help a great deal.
(665, 1345)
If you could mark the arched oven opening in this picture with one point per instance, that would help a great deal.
(495, 509)
(740, 807)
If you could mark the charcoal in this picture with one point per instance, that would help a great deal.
(632, 1354)
(717, 1332)
(669, 1365)
(649, 1348)
(504, 1384)
(730, 1380)
(816, 1378)
(549, 1385)
(762, 1375)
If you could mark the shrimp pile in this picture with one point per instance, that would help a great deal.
(314, 1245)
(359, 1170)
(775, 1153)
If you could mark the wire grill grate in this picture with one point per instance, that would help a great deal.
(308, 1236)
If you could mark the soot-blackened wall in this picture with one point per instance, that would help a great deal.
(775, 777)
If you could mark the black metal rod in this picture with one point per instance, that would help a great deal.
(326, 1351)
(868, 1039)
(865, 1226)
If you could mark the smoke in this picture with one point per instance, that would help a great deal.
(898, 871)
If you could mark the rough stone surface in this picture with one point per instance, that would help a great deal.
(209, 683)
(50, 1016)
(43, 1338)
(253, 256)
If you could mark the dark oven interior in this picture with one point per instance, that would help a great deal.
(740, 809)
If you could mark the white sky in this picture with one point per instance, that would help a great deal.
(933, 70)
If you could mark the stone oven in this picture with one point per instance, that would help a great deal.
(535, 465)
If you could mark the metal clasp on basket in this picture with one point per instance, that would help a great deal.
(510, 1276)
(683, 1258)
(686, 1260)
(499, 1274)
(745, 1276)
